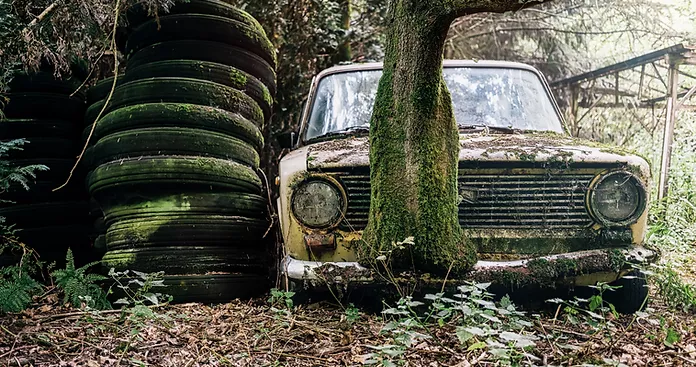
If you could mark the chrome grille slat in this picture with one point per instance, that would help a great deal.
(501, 200)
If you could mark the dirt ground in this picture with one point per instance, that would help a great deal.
(253, 333)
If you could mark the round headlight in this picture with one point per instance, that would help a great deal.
(317, 204)
(617, 198)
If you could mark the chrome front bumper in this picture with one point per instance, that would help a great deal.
(575, 268)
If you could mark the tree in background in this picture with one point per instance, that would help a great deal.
(414, 141)
(63, 36)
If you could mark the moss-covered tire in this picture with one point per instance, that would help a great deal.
(134, 206)
(201, 27)
(45, 214)
(187, 230)
(185, 260)
(44, 106)
(207, 51)
(93, 111)
(158, 141)
(46, 147)
(100, 90)
(171, 172)
(178, 115)
(45, 82)
(137, 15)
(205, 70)
(29, 128)
(633, 294)
(215, 288)
(187, 90)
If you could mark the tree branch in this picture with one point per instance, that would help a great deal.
(558, 30)
(460, 8)
(43, 15)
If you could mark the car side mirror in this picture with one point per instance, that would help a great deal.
(286, 140)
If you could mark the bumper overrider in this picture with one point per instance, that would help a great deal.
(579, 268)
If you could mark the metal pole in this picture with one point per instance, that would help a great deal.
(672, 96)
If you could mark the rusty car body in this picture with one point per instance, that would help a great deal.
(540, 206)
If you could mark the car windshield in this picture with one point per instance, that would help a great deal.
(481, 96)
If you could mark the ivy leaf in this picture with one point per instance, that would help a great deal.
(463, 335)
(476, 346)
(521, 341)
(671, 338)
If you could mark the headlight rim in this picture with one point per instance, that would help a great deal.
(332, 182)
(638, 212)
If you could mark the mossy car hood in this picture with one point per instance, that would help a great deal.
(540, 147)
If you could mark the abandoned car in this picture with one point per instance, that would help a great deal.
(541, 206)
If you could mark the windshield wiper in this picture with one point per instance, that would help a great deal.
(348, 130)
(504, 129)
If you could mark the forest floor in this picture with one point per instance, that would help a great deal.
(262, 333)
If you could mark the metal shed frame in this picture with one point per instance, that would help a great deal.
(637, 82)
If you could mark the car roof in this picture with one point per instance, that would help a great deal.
(446, 64)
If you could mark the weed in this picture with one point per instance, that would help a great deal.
(281, 298)
(16, 288)
(80, 288)
(480, 324)
(138, 287)
(676, 293)
(351, 313)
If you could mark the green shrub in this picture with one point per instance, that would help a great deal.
(80, 288)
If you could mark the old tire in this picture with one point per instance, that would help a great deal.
(186, 90)
(44, 106)
(208, 51)
(201, 27)
(185, 260)
(45, 82)
(204, 70)
(178, 115)
(214, 288)
(137, 15)
(41, 188)
(186, 230)
(45, 214)
(171, 172)
(158, 141)
(100, 90)
(39, 147)
(631, 297)
(93, 110)
(135, 206)
(29, 128)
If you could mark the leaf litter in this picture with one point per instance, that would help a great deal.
(254, 333)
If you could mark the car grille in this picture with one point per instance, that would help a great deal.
(524, 201)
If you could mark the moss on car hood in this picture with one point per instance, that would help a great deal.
(529, 147)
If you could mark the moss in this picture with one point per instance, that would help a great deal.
(238, 77)
(414, 147)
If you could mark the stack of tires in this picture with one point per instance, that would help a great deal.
(96, 98)
(177, 152)
(42, 111)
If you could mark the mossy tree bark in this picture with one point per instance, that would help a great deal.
(414, 142)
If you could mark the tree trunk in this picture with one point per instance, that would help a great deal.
(414, 146)
(344, 52)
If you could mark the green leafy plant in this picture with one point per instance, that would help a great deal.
(11, 173)
(16, 288)
(138, 288)
(676, 294)
(281, 298)
(79, 287)
(351, 313)
(138, 293)
(16, 283)
(480, 324)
